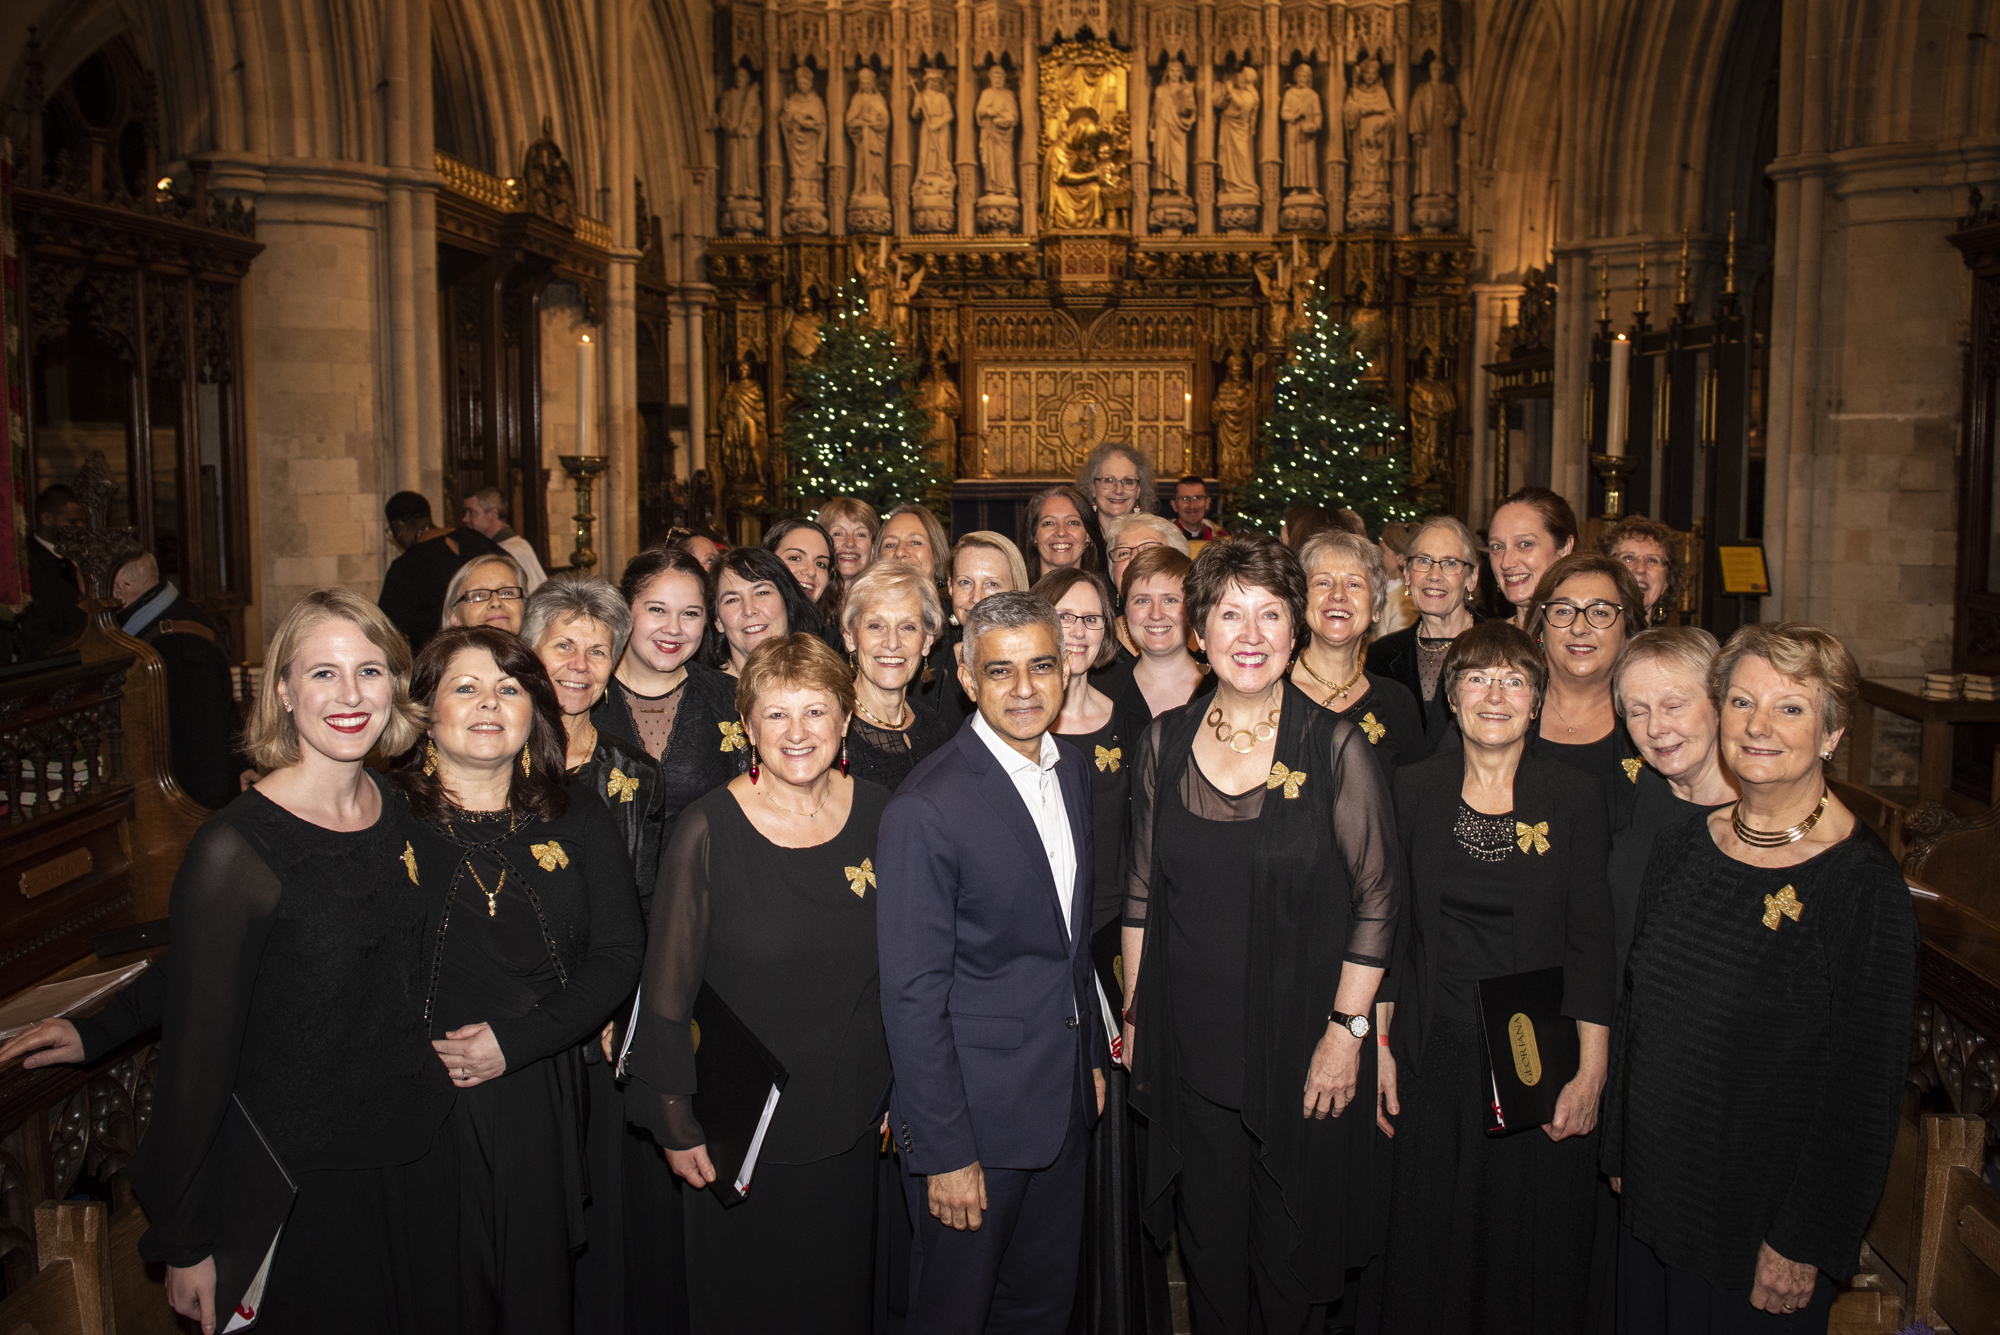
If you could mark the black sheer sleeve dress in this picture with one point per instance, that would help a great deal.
(132, 1010)
(540, 938)
(298, 989)
(786, 937)
(885, 756)
(692, 732)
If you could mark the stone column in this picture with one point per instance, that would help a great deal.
(1030, 155)
(774, 144)
(1204, 124)
(966, 146)
(1139, 100)
(1270, 161)
(697, 297)
(1336, 122)
(899, 117)
(836, 121)
(1399, 92)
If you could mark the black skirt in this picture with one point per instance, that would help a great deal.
(630, 1275)
(1487, 1236)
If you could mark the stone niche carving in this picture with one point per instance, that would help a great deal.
(1301, 117)
(1435, 112)
(998, 114)
(1369, 118)
(1173, 119)
(740, 117)
(1086, 137)
(934, 193)
(1239, 200)
(868, 134)
(802, 124)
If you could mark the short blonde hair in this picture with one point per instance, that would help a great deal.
(892, 581)
(1803, 652)
(1017, 567)
(456, 589)
(271, 739)
(798, 659)
(1337, 543)
(1168, 532)
(1687, 649)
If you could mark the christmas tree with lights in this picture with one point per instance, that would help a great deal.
(1329, 439)
(853, 427)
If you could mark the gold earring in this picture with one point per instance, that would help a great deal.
(527, 763)
(430, 758)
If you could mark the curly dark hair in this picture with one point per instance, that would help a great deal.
(1255, 563)
(541, 791)
(756, 566)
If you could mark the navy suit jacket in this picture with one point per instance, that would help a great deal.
(989, 1004)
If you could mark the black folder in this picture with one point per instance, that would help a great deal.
(737, 1084)
(1531, 1050)
(260, 1194)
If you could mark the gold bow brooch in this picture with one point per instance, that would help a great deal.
(732, 735)
(1108, 758)
(862, 878)
(410, 862)
(621, 785)
(1371, 726)
(1289, 779)
(1785, 903)
(1534, 836)
(1632, 766)
(549, 855)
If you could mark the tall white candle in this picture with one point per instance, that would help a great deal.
(1617, 400)
(586, 401)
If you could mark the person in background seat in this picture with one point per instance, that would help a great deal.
(202, 722)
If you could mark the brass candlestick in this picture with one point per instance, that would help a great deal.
(583, 470)
(1611, 469)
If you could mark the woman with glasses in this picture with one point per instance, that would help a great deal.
(1532, 530)
(486, 592)
(1505, 853)
(1648, 549)
(753, 598)
(1124, 1277)
(1062, 531)
(1119, 481)
(1442, 566)
(852, 524)
(1128, 535)
(1346, 587)
(1583, 613)
(891, 618)
(808, 550)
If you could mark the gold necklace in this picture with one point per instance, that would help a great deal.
(1339, 692)
(1261, 731)
(493, 895)
(809, 815)
(902, 716)
(1776, 838)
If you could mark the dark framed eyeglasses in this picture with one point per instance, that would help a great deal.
(1600, 614)
(1451, 565)
(1088, 620)
(506, 593)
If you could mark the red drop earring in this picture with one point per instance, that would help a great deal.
(843, 757)
(753, 764)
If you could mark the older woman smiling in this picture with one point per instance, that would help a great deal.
(891, 618)
(1345, 589)
(1584, 611)
(1442, 565)
(852, 524)
(486, 592)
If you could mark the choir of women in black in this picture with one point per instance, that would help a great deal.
(1506, 853)
(297, 996)
(1442, 568)
(1584, 611)
(1261, 916)
(1346, 588)
(538, 940)
(767, 898)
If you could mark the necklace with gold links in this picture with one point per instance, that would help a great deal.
(1261, 731)
(493, 895)
(1339, 692)
(1777, 838)
(862, 710)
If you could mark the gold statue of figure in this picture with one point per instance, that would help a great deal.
(1086, 137)
(1233, 413)
(745, 450)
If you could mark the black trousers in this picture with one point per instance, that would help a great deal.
(1234, 1232)
(1016, 1273)
(1656, 1299)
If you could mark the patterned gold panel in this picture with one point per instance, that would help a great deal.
(1041, 420)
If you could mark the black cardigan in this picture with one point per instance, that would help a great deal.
(1567, 923)
(1395, 657)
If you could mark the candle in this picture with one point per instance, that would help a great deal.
(1616, 400)
(586, 415)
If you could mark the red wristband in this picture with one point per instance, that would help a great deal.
(1381, 1040)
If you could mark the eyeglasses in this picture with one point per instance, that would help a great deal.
(1451, 565)
(1599, 614)
(506, 593)
(1637, 560)
(1479, 681)
(1088, 620)
(1120, 482)
(1127, 553)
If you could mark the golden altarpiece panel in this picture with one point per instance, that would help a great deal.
(1087, 221)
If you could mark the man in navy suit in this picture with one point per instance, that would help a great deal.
(983, 925)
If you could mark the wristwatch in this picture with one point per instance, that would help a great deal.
(1356, 1025)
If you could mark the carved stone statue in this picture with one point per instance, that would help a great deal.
(1233, 415)
(1173, 117)
(937, 395)
(1370, 120)
(741, 116)
(1433, 412)
(1299, 112)
(868, 131)
(1236, 151)
(802, 120)
(935, 193)
(1435, 113)
(802, 337)
(745, 444)
(998, 114)
(546, 181)
(872, 267)
(1077, 176)
(1291, 283)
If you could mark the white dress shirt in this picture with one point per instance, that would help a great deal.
(523, 553)
(1041, 790)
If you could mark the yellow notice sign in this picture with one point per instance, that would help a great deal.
(1743, 570)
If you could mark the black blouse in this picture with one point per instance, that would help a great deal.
(1654, 809)
(299, 969)
(627, 781)
(1477, 896)
(707, 747)
(1110, 752)
(1208, 918)
(885, 756)
(1612, 761)
(1758, 1058)
(786, 936)
(1387, 715)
